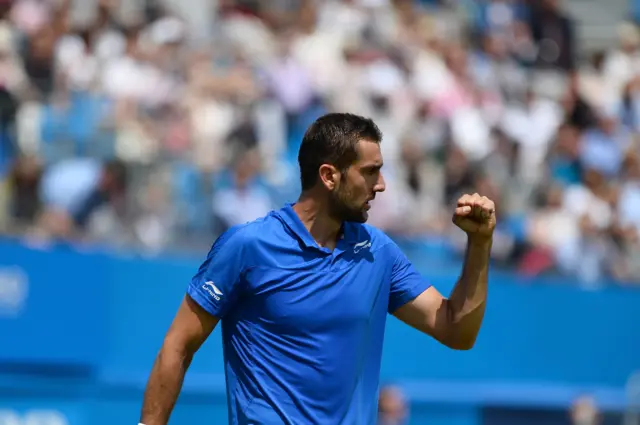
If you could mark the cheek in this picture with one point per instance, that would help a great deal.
(343, 194)
(358, 188)
(349, 195)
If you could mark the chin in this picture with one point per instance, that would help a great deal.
(356, 215)
(360, 218)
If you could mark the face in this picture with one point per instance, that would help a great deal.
(584, 412)
(392, 407)
(352, 191)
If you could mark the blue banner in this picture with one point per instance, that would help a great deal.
(52, 307)
(543, 343)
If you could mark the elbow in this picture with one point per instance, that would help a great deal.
(461, 343)
(460, 337)
(462, 330)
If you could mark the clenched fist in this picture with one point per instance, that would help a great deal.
(476, 216)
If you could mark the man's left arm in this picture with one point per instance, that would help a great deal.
(455, 321)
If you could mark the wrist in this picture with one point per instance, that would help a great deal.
(479, 241)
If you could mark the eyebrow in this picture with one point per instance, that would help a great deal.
(372, 166)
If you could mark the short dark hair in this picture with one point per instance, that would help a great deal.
(332, 139)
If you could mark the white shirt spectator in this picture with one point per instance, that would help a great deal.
(76, 63)
(109, 44)
(343, 18)
(128, 78)
(533, 126)
(622, 65)
(629, 205)
(580, 201)
(471, 133)
(291, 84)
(431, 78)
(239, 206)
(321, 53)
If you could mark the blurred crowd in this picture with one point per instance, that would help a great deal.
(128, 129)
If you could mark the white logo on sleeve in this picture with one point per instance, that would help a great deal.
(361, 245)
(212, 290)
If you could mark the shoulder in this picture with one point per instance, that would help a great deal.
(247, 233)
(246, 239)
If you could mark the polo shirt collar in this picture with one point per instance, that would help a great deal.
(291, 219)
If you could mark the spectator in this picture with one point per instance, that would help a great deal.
(603, 148)
(244, 199)
(392, 407)
(24, 180)
(128, 128)
(622, 64)
(554, 33)
(74, 191)
(585, 412)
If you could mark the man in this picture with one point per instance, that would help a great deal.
(75, 190)
(392, 407)
(303, 294)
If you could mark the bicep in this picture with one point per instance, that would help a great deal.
(191, 326)
(427, 313)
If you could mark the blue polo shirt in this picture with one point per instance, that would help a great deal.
(302, 325)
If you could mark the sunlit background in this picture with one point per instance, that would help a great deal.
(132, 133)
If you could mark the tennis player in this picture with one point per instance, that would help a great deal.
(303, 294)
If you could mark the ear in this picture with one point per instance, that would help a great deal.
(329, 176)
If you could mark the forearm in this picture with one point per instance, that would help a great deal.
(163, 388)
(466, 304)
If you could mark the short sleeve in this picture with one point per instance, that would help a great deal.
(217, 284)
(406, 282)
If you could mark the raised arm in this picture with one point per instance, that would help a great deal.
(456, 321)
(190, 328)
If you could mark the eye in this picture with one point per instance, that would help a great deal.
(372, 171)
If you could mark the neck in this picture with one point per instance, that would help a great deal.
(314, 215)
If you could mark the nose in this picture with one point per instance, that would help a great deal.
(380, 184)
